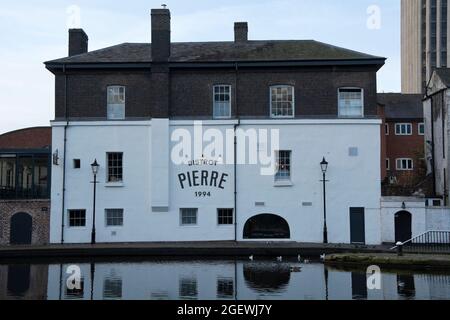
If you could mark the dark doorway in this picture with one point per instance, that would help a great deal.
(18, 280)
(266, 226)
(357, 226)
(21, 228)
(403, 226)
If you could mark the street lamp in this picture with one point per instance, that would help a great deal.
(324, 167)
(95, 166)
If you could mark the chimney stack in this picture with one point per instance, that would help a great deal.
(240, 32)
(160, 35)
(78, 42)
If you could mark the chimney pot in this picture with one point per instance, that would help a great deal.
(240, 32)
(78, 42)
(160, 35)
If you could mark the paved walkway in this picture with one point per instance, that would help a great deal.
(174, 249)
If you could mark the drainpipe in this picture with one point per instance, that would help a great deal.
(235, 148)
(63, 213)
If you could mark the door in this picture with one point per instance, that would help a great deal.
(403, 226)
(357, 226)
(21, 228)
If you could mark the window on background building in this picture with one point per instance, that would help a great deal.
(351, 102)
(282, 101)
(188, 217)
(403, 129)
(386, 129)
(388, 164)
(76, 163)
(405, 164)
(421, 129)
(225, 216)
(283, 162)
(115, 166)
(222, 101)
(77, 218)
(114, 217)
(116, 103)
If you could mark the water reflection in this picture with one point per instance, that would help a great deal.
(209, 280)
(267, 277)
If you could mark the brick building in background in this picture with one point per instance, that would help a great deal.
(25, 186)
(403, 153)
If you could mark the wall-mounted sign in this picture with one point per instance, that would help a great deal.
(205, 177)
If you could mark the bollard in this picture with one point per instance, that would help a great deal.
(399, 248)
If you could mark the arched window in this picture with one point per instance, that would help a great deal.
(266, 226)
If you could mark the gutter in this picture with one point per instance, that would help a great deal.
(235, 148)
(63, 202)
(218, 64)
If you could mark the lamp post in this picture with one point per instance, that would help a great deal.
(324, 167)
(95, 166)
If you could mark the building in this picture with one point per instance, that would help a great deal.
(424, 41)
(436, 110)
(25, 186)
(404, 131)
(162, 119)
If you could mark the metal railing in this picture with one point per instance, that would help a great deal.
(430, 241)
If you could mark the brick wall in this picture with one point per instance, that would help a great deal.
(34, 138)
(39, 211)
(316, 91)
(406, 147)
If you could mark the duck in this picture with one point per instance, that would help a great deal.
(250, 258)
(322, 257)
(299, 258)
(280, 258)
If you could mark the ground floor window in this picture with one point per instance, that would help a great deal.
(225, 216)
(77, 218)
(188, 217)
(114, 217)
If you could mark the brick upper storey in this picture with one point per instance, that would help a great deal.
(177, 80)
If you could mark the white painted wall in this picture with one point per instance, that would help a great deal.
(353, 182)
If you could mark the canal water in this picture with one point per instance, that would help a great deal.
(212, 280)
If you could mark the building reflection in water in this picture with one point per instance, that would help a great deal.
(23, 282)
(405, 286)
(359, 286)
(211, 280)
(267, 277)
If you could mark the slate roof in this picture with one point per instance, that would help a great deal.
(444, 74)
(402, 106)
(207, 52)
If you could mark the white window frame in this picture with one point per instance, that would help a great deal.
(399, 125)
(362, 102)
(387, 129)
(118, 181)
(421, 124)
(117, 210)
(287, 178)
(400, 168)
(192, 224)
(214, 101)
(293, 101)
(85, 218)
(110, 105)
(388, 164)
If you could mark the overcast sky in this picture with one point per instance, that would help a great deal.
(36, 31)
